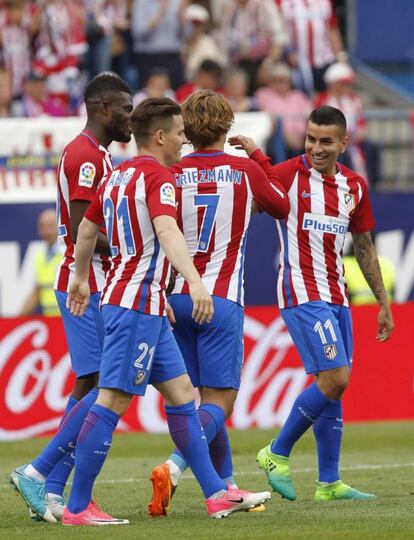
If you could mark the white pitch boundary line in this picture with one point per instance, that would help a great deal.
(362, 467)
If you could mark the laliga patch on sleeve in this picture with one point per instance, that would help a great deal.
(167, 194)
(87, 174)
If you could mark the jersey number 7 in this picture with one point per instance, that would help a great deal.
(210, 202)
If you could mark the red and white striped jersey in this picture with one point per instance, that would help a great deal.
(215, 192)
(322, 209)
(308, 23)
(137, 191)
(83, 165)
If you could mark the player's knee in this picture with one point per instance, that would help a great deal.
(333, 383)
(84, 385)
(113, 399)
(222, 397)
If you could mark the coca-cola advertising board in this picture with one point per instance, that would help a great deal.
(36, 379)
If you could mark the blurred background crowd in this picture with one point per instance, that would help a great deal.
(283, 57)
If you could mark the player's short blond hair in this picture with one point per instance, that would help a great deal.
(207, 116)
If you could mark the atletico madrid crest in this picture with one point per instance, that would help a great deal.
(350, 202)
(140, 377)
(330, 351)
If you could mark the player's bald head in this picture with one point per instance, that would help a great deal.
(105, 86)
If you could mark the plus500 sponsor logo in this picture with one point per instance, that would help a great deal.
(324, 224)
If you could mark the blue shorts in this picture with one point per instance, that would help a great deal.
(322, 334)
(84, 335)
(213, 353)
(139, 349)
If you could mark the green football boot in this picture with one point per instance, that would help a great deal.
(339, 491)
(277, 471)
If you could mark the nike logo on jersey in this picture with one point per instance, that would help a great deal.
(107, 443)
(306, 195)
(239, 501)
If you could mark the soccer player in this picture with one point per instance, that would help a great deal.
(85, 161)
(326, 199)
(215, 195)
(138, 204)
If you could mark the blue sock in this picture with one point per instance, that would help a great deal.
(328, 433)
(307, 407)
(56, 481)
(65, 438)
(92, 447)
(187, 434)
(212, 419)
(220, 453)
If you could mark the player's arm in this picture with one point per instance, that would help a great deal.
(367, 258)
(87, 235)
(173, 244)
(77, 211)
(268, 192)
(79, 292)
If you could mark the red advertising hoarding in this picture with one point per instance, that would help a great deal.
(35, 375)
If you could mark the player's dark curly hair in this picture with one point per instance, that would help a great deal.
(328, 116)
(207, 116)
(151, 115)
(103, 83)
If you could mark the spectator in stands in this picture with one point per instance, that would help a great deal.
(35, 100)
(100, 18)
(60, 45)
(236, 84)
(315, 40)
(361, 154)
(252, 31)
(47, 260)
(290, 109)
(199, 45)
(158, 85)
(158, 35)
(5, 93)
(208, 78)
(15, 35)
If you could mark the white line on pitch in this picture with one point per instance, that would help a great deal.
(362, 467)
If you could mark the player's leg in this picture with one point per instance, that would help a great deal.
(85, 337)
(170, 378)
(213, 356)
(57, 478)
(313, 332)
(130, 342)
(329, 426)
(92, 448)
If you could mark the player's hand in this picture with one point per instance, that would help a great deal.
(203, 308)
(385, 323)
(78, 296)
(240, 142)
(170, 313)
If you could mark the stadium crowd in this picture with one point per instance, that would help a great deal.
(266, 55)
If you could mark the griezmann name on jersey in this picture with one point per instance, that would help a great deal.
(215, 191)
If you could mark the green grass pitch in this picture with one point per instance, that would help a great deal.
(377, 457)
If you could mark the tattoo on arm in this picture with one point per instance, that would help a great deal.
(367, 259)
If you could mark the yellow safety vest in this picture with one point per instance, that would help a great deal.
(45, 270)
(358, 288)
